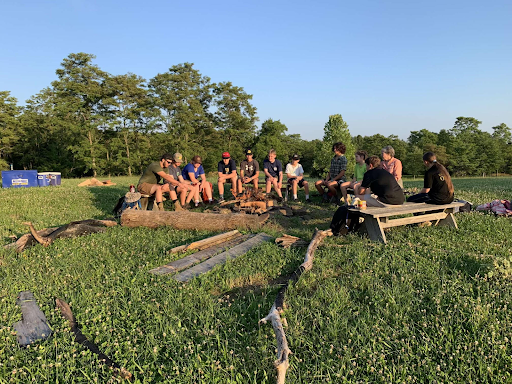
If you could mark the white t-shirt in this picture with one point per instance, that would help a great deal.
(296, 171)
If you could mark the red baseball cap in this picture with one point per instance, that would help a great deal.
(226, 155)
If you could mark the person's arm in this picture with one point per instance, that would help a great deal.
(165, 176)
(266, 172)
(343, 161)
(280, 178)
(257, 169)
(398, 169)
(365, 184)
(427, 182)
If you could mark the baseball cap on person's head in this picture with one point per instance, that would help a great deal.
(226, 155)
(248, 152)
(295, 157)
(178, 157)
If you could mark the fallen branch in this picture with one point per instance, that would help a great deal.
(65, 310)
(283, 351)
(48, 235)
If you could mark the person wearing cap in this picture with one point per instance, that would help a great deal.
(149, 182)
(295, 174)
(273, 170)
(249, 171)
(178, 186)
(192, 172)
(227, 174)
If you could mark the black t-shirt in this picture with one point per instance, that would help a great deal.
(273, 168)
(384, 185)
(434, 179)
(226, 169)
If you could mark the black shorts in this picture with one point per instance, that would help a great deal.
(301, 182)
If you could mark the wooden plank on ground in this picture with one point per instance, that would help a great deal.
(208, 242)
(188, 261)
(221, 258)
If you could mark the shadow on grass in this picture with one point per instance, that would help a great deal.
(105, 198)
(469, 265)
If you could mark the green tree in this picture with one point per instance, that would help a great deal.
(271, 135)
(234, 118)
(335, 130)
(183, 97)
(9, 127)
(80, 91)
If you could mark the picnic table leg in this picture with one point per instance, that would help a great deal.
(449, 221)
(374, 229)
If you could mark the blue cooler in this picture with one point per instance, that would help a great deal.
(54, 178)
(43, 179)
(19, 179)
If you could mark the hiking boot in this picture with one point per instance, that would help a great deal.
(221, 200)
(178, 207)
(308, 200)
(295, 200)
(279, 199)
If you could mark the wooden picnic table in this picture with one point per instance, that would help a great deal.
(377, 219)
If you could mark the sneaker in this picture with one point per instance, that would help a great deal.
(295, 200)
(178, 207)
(221, 200)
(279, 199)
(308, 201)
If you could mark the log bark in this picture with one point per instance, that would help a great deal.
(191, 220)
(48, 235)
(283, 351)
(254, 204)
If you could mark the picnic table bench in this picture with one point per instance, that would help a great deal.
(377, 219)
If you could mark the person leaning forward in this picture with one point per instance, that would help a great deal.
(178, 186)
(149, 182)
(249, 171)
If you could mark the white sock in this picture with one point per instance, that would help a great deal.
(221, 196)
(197, 203)
(294, 196)
(307, 197)
(210, 200)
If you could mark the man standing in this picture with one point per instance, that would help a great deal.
(273, 170)
(249, 172)
(295, 174)
(227, 174)
(149, 183)
(384, 187)
(336, 174)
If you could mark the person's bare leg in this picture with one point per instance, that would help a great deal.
(255, 183)
(277, 189)
(234, 184)
(332, 187)
(208, 190)
(268, 186)
(240, 187)
(306, 187)
(320, 187)
(343, 189)
(294, 188)
(220, 185)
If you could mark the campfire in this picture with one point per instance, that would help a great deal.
(249, 201)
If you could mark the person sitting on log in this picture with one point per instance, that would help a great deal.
(273, 170)
(227, 174)
(336, 174)
(192, 172)
(437, 183)
(178, 186)
(295, 174)
(249, 172)
(149, 182)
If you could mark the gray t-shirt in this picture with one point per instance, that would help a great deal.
(249, 167)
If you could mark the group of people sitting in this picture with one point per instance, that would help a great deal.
(378, 182)
(188, 184)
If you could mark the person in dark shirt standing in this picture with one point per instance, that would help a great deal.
(383, 185)
(273, 170)
(437, 183)
(227, 174)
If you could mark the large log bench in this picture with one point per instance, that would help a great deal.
(378, 219)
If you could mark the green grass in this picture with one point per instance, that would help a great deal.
(433, 305)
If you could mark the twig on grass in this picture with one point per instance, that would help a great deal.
(283, 351)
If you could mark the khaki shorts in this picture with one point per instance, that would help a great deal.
(145, 188)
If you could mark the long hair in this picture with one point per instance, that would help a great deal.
(430, 158)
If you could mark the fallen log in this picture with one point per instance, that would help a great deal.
(65, 310)
(283, 351)
(254, 204)
(191, 220)
(48, 235)
(208, 242)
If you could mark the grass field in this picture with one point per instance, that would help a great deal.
(433, 305)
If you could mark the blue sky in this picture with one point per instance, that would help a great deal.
(386, 66)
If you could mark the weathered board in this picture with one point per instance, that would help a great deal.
(221, 258)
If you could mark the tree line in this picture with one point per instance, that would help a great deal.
(89, 122)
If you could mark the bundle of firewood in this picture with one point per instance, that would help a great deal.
(287, 241)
